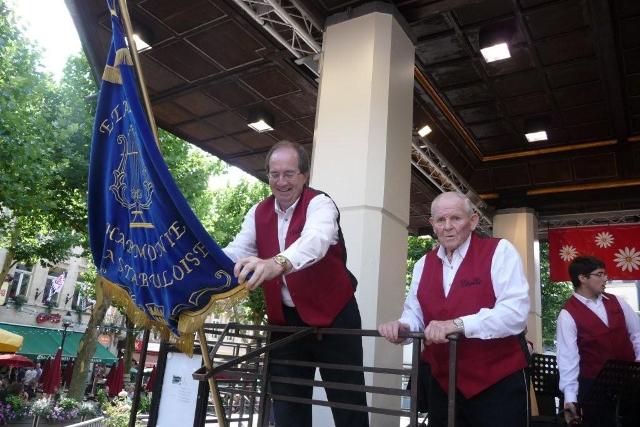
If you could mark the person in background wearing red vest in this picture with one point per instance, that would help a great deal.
(592, 327)
(474, 287)
(291, 244)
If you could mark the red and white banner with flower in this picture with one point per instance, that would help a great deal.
(617, 245)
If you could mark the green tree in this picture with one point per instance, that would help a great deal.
(554, 295)
(34, 212)
(417, 247)
(230, 206)
(192, 168)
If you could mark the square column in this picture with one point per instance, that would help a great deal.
(361, 158)
(520, 227)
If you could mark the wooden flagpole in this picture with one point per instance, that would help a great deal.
(136, 65)
(204, 348)
(222, 422)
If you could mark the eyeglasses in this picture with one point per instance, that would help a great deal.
(600, 275)
(287, 175)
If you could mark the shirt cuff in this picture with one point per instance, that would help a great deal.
(570, 396)
(472, 326)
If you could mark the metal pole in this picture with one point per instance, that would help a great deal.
(204, 347)
(135, 403)
(453, 356)
(64, 337)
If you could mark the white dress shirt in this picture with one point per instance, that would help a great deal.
(568, 357)
(319, 233)
(509, 314)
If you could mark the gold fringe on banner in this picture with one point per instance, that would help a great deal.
(188, 323)
(122, 57)
(112, 75)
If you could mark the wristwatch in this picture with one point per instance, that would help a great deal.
(282, 261)
(459, 324)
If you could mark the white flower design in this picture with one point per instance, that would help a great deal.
(604, 239)
(568, 253)
(628, 259)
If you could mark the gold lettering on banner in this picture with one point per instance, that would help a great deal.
(117, 113)
(152, 252)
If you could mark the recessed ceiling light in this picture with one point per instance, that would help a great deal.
(260, 126)
(496, 52)
(536, 136)
(424, 131)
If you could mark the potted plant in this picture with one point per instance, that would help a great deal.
(12, 409)
(48, 306)
(19, 301)
(40, 408)
(46, 411)
(88, 410)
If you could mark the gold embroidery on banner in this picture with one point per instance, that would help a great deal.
(132, 186)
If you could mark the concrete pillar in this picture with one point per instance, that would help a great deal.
(361, 158)
(520, 227)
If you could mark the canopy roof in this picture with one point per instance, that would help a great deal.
(41, 343)
(575, 62)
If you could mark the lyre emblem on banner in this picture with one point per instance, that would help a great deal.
(132, 187)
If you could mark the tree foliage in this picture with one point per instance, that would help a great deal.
(191, 168)
(37, 198)
(230, 206)
(417, 247)
(554, 295)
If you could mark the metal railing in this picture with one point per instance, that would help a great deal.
(243, 376)
(94, 422)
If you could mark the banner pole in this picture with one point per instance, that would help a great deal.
(136, 65)
(136, 391)
(204, 347)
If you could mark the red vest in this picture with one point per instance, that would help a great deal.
(319, 291)
(598, 342)
(481, 362)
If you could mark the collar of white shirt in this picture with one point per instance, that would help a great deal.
(289, 209)
(460, 252)
(586, 300)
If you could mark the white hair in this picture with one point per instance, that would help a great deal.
(467, 203)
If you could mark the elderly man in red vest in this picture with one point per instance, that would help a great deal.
(592, 327)
(475, 287)
(291, 244)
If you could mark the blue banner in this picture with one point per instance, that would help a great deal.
(144, 237)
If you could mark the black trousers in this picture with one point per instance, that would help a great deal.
(504, 404)
(339, 349)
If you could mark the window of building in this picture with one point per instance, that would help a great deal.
(52, 291)
(21, 280)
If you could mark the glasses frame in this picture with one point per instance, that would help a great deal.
(287, 175)
(600, 275)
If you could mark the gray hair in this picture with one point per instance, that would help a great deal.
(467, 203)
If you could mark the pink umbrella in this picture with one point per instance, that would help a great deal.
(152, 380)
(51, 384)
(15, 361)
(115, 381)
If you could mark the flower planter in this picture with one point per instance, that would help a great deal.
(43, 422)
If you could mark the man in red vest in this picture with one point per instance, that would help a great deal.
(291, 244)
(474, 287)
(592, 327)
